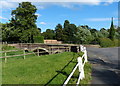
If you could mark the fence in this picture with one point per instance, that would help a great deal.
(24, 54)
(80, 65)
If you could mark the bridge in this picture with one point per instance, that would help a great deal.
(47, 48)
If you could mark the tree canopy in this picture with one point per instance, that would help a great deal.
(22, 28)
(23, 22)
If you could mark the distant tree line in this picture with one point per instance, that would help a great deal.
(22, 28)
(70, 33)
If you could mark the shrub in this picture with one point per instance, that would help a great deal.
(116, 42)
(38, 39)
(106, 42)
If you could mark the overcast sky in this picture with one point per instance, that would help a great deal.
(94, 13)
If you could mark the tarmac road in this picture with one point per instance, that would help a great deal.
(105, 65)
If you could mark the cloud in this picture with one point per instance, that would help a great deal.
(110, 2)
(3, 18)
(100, 19)
(6, 4)
(43, 23)
(41, 4)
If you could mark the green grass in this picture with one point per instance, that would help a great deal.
(11, 53)
(38, 70)
(6, 47)
(87, 79)
(46, 69)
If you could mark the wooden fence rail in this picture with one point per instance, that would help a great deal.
(24, 54)
(80, 65)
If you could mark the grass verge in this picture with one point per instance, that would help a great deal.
(46, 69)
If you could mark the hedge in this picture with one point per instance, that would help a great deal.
(106, 42)
(38, 39)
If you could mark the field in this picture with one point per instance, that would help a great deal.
(46, 69)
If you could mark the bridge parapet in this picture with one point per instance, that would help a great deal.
(51, 48)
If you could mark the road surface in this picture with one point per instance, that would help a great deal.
(105, 66)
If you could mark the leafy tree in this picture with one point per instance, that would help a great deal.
(59, 32)
(95, 34)
(72, 30)
(7, 33)
(66, 24)
(83, 35)
(68, 32)
(23, 20)
(65, 30)
(118, 30)
(38, 39)
(49, 34)
(39, 29)
(117, 35)
(112, 31)
(100, 35)
(104, 32)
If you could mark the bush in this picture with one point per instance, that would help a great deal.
(106, 42)
(38, 39)
(116, 42)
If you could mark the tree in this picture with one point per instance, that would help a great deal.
(49, 34)
(66, 24)
(95, 34)
(59, 32)
(104, 32)
(8, 34)
(112, 31)
(72, 30)
(83, 35)
(23, 20)
(68, 32)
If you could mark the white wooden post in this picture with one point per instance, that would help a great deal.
(82, 75)
(81, 68)
(81, 48)
(79, 63)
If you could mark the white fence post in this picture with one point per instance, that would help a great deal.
(80, 66)
(83, 49)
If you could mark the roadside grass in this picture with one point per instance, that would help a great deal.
(87, 79)
(11, 53)
(35, 70)
(6, 47)
(46, 69)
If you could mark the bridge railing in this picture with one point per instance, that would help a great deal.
(80, 65)
(62, 49)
